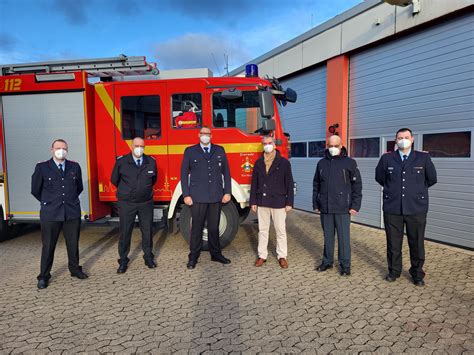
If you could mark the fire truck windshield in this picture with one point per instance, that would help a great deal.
(242, 113)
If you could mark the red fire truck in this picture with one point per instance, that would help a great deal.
(99, 105)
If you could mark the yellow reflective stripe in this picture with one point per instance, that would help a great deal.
(179, 148)
(109, 105)
(36, 213)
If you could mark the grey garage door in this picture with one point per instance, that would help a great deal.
(424, 81)
(305, 120)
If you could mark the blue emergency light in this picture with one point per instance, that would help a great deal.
(251, 71)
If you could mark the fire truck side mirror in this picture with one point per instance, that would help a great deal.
(266, 103)
(290, 95)
(268, 125)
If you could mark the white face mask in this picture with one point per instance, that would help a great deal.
(404, 143)
(205, 139)
(268, 148)
(60, 154)
(334, 151)
(138, 151)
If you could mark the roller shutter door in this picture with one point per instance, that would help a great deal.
(305, 120)
(424, 81)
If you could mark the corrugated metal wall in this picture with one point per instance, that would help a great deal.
(305, 120)
(424, 81)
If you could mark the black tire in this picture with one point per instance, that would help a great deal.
(228, 226)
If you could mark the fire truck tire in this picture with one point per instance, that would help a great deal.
(228, 226)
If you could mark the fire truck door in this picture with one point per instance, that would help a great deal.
(143, 110)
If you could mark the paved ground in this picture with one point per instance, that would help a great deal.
(238, 308)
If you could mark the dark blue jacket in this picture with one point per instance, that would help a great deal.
(275, 189)
(134, 184)
(337, 185)
(405, 187)
(206, 180)
(58, 193)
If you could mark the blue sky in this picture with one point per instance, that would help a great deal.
(176, 34)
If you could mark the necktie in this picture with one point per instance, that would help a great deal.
(206, 150)
(138, 162)
(61, 168)
(404, 158)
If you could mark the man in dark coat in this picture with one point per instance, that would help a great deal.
(271, 197)
(405, 175)
(206, 185)
(57, 184)
(337, 194)
(134, 175)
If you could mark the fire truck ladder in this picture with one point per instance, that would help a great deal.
(96, 67)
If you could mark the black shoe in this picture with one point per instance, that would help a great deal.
(323, 267)
(391, 278)
(221, 259)
(121, 269)
(191, 266)
(345, 272)
(79, 274)
(42, 284)
(150, 263)
(420, 283)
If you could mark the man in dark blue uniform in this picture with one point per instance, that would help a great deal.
(405, 175)
(56, 184)
(206, 185)
(337, 194)
(134, 175)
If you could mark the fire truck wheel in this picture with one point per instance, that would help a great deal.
(228, 225)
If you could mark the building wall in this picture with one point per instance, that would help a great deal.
(424, 81)
(305, 120)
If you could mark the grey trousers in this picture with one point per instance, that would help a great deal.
(332, 222)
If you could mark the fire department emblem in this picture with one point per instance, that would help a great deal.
(247, 166)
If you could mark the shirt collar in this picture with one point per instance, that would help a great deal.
(402, 154)
(136, 159)
(205, 146)
(63, 164)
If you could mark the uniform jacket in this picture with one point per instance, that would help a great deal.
(206, 180)
(134, 184)
(57, 192)
(337, 185)
(275, 189)
(405, 187)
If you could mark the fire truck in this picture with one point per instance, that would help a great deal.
(99, 105)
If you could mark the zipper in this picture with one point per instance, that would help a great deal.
(344, 173)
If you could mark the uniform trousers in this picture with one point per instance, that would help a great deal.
(415, 228)
(332, 222)
(278, 215)
(127, 213)
(202, 213)
(50, 231)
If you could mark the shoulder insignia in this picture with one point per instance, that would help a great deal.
(152, 157)
(119, 157)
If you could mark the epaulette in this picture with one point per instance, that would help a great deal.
(119, 157)
(152, 157)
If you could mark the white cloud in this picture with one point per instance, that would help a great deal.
(196, 50)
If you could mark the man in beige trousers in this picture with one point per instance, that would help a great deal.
(271, 197)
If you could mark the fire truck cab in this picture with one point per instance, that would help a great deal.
(40, 102)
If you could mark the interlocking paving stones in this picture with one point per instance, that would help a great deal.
(237, 308)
